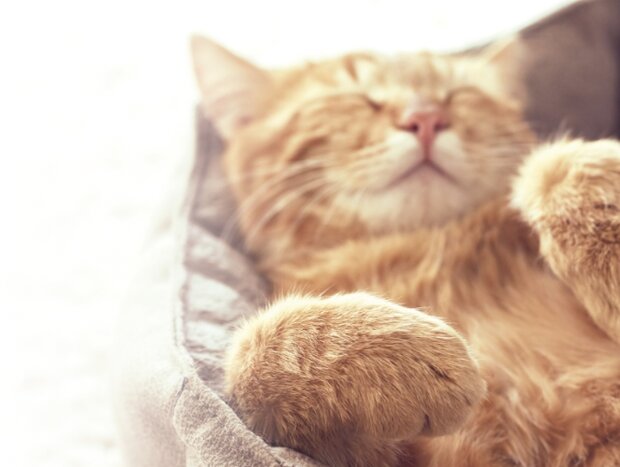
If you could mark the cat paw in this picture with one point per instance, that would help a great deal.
(347, 378)
(572, 183)
(569, 192)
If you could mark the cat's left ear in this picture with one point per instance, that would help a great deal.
(501, 52)
(506, 57)
(232, 89)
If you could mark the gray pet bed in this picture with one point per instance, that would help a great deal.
(195, 286)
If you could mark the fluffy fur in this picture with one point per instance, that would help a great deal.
(512, 357)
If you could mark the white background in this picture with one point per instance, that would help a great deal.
(96, 109)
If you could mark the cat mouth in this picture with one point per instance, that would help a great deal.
(420, 168)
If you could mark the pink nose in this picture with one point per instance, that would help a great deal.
(425, 123)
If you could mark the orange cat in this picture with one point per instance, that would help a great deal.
(368, 185)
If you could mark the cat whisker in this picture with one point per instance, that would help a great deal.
(326, 219)
(314, 202)
(258, 202)
(262, 171)
(282, 203)
(265, 192)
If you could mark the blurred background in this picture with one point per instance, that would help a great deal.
(96, 130)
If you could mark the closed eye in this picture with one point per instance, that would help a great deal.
(464, 90)
(376, 106)
(329, 102)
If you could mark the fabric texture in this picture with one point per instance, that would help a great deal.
(195, 287)
(571, 71)
(197, 283)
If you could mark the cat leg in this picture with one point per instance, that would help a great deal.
(569, 192)
(347, 378)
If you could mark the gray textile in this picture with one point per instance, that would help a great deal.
(572, 70)
(194, 289)
(195, 286)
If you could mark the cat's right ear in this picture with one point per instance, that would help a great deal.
(232, 89)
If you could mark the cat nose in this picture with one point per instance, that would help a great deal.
(425, 124)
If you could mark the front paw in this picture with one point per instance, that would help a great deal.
(348, 377)
(572, 185)
(569, 192)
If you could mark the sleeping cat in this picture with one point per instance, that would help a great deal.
(369, 186)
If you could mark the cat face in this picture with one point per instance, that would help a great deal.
(362, 143)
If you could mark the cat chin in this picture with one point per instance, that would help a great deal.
(428, 199)
(413, 206)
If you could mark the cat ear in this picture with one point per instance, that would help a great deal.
(232, 89)
(502, 52)
(506, 56)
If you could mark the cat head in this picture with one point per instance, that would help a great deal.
(359, 145)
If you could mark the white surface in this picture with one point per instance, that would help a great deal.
(96, 108)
